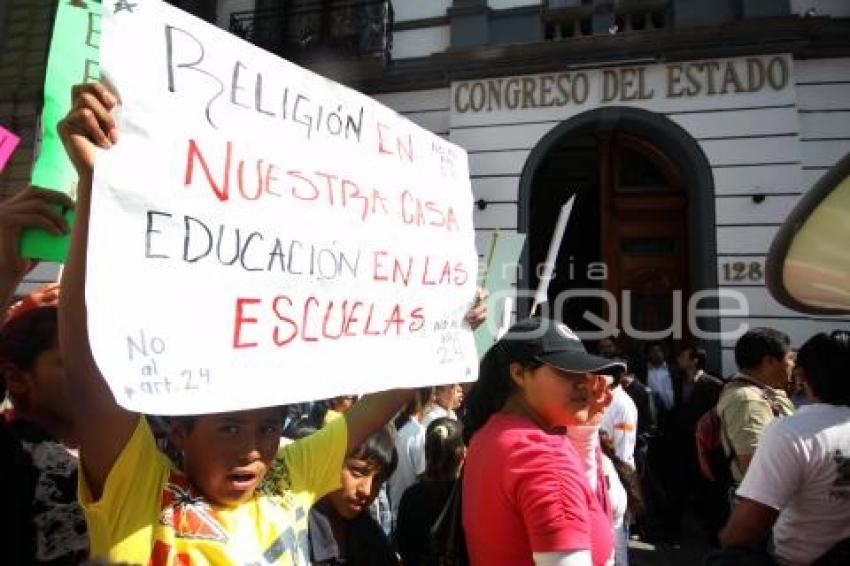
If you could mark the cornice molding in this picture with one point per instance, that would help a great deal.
(802, 37)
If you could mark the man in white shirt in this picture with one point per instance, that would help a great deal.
(658, 376)
(620, 423)
(410, 446)
(447, 399)
(798, 482)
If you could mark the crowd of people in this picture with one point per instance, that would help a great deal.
(555, 456)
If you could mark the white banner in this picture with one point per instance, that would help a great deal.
(262, 235)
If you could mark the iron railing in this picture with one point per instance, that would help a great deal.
(576, 18)
(316, 29)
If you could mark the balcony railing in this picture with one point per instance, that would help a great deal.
(577, 18)
(320, 29)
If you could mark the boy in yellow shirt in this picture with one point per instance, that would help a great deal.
(238, 499)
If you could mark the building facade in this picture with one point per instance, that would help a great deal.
(685, 129)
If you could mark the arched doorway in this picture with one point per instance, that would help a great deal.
(642, 228)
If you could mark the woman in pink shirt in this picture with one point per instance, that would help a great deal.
(532, 487)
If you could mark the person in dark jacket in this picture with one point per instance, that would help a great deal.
(423, 502)
(341, 530)
(698, 394)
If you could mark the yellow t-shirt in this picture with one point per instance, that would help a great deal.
(331, 415)
(150, 515)
(745, 411)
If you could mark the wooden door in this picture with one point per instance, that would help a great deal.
(644, 234)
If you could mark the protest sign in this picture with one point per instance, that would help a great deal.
(262, 235)
(8, 143)
(72, 59)
(500, 268)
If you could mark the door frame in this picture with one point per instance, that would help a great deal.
(697, 178)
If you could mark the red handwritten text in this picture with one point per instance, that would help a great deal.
(279, 321)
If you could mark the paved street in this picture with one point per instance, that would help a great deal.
(690, 553)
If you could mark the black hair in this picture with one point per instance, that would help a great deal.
(697, 353)
(613, 341)
(26, 336)
(380, 449)
(316, 418)
(825, 359)
(443, 448)
(186, 421)
(757, 343)
(302, 431)
(420, 399)
(494, 384)
(651, 344)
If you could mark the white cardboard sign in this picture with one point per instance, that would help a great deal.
(262, 235)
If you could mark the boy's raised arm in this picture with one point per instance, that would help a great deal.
(375, 410)
(103, 427)
(371, 413)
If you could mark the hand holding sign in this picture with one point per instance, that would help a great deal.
(30, 208)
(89, 124)
(477, 314)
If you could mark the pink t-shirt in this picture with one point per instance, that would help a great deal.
(525, 491)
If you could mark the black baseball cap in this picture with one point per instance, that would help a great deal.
(554, 344)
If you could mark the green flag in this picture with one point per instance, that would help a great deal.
(73, 58)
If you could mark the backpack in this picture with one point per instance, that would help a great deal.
(713, 461)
